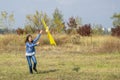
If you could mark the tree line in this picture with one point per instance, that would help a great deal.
(57, 24)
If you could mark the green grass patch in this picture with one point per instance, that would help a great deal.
(62, 66)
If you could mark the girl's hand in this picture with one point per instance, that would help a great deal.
(41, 31)
(46, 29)
(38, 43)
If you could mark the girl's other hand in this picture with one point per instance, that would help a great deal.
(38, 43)
(41, 31)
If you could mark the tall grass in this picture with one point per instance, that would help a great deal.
(111, 44)
(66, 61)
(74, 42)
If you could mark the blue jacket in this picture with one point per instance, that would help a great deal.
(30, 47)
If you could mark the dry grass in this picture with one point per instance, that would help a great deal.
(94, 44)
(112, 44)
(101, 44)
(67, 61)
(57, 64)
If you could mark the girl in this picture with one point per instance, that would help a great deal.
(30, 51)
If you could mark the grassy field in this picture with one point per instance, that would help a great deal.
(84, 61)
(58, 65)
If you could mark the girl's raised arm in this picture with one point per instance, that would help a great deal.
(38, 36)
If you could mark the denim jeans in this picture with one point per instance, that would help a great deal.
(33, 58)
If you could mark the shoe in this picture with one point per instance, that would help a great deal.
(31, 71)
(35, 69)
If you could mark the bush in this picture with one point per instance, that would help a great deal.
(116, 31)
(84, 30)
(71, 28)
(20, 31)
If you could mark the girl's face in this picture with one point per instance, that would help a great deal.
(30, 39)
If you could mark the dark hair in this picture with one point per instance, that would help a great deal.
(28, 38)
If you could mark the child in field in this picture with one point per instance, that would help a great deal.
(30, 51)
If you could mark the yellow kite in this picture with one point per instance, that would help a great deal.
(52, 42)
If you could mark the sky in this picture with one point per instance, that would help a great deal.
(91, 11)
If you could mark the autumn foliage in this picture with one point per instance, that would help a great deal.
(116, 31)
(84, 30)
(20, 31)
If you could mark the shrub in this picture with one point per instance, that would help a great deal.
(72, 22)
(20, 31)
(116, 31)
(84, 30)
(71, 28)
